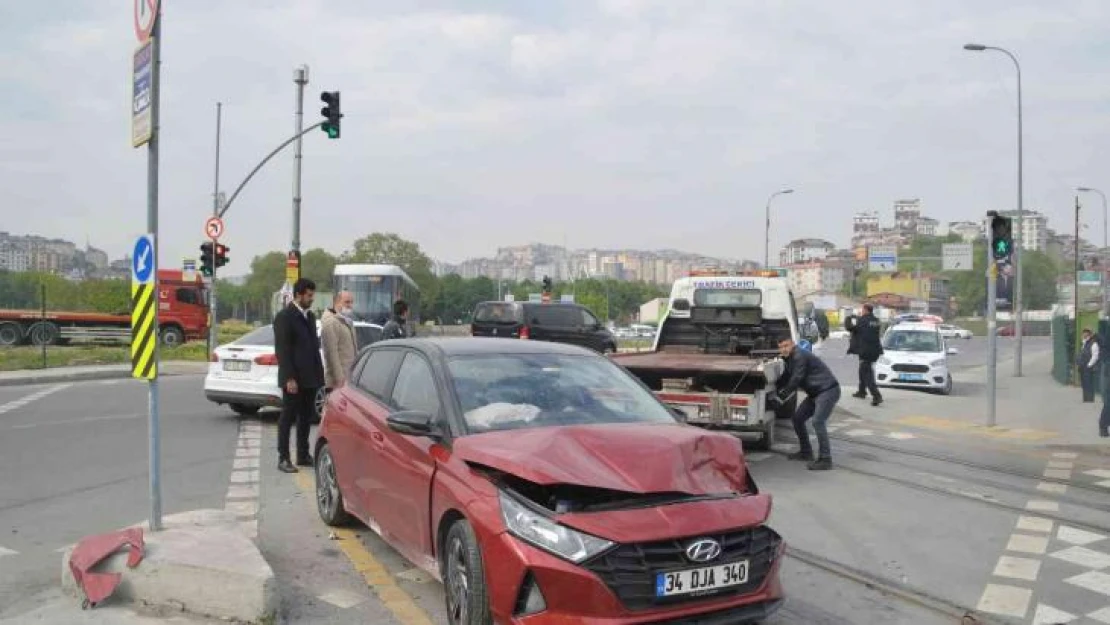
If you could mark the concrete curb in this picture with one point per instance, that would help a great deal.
(80, 374)
(200, 563)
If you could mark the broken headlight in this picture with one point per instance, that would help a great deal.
(536, 529)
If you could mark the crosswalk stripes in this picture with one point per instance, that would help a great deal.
(7, 552)
(33, 397)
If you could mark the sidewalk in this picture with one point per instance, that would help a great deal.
(1032, 409)
(59, 609)
(93, 372)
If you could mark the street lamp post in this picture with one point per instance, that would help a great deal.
(1105, 244)
(767, 228)
(1019, 232)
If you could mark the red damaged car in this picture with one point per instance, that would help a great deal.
(544, 484)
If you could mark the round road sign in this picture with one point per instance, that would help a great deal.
(214, 228)
(146, 13)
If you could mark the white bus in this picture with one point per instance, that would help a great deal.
(375, 289)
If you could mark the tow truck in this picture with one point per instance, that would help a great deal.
(715, 358)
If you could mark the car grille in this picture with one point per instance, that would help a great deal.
(911, 368)
(629, 570)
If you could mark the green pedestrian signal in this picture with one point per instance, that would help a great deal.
(1002, 236)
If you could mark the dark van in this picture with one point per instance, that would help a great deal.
(555, 322)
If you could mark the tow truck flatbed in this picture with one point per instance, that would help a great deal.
(686, 363)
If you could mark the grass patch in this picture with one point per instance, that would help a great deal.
(30, 357)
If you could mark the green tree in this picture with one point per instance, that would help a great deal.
(318, 265)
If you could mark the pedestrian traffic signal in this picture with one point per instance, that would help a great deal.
(221, 254)
(332, 114)
(207, 259)
(1002, 237)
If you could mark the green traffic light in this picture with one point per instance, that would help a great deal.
(332, 132)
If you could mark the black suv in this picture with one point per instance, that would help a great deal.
(557, 323)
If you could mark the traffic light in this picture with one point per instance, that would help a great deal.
(546, 284)
(332, 114)
(221, 254)
(1002, 237)
(207, 259)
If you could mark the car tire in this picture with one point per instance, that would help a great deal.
(329, 499)
(244, 409)
(464, 577)
(172, 336)
(947, 390)
(318, 404)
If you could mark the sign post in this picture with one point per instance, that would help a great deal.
(992, 328)
(144, 262)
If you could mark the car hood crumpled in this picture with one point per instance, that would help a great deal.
(634, 458)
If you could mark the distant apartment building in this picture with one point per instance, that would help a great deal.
(804, 251)
(969, 231)
(1034, 229)
(817, 277)
(866, 230)
(927, 227)
(932, 290)
(907, 213)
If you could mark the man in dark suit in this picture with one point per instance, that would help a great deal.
(867, 344)
(300, 372)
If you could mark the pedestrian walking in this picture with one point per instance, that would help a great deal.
(300, 372)
(339, 340)
(1088, 364)
(866, 343)
(806, 372)
(395, 327)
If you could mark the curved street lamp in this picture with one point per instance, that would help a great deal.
(767, 228)
(1019, 231)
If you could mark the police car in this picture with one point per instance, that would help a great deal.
(915, 355)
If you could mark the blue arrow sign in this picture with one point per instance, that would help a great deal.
(142, 260)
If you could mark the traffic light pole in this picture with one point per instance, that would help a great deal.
(262, 164)
(214, 324)
(992, 328)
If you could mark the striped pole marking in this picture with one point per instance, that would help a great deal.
(144, 334)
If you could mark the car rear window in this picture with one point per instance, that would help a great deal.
(495, 312)
(261, 336)
(555, 316)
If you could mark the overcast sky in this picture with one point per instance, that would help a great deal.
(611, 123)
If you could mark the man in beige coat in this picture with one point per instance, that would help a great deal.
(338, 340)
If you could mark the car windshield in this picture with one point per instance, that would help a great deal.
(912, 341)
(261, 336)
(513, 391)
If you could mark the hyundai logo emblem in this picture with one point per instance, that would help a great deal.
(703, 550)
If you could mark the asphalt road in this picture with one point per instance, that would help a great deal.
(75, 464)
(908, 519)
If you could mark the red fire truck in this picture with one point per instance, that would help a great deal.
(182, 316)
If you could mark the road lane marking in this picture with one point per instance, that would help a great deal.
(120, 417)
(1043, 506)
(1061, 464)
(1017, 568)
(1102, 616)
(1052, 487)
(1024, 543)
(33, 397)
(1076, 536)
(1082, 556)
(244, 488)
(1057, 474)
(7, 552)
(1034, 524)
(377, 577)
(1048, 615)
(1005, 600)
(1095, 581)
(1103, 473)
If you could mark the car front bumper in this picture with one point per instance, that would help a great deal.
(610, 588)
(934, 378)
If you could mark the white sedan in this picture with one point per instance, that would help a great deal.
(243, 373)
(915, 356)
(949, 331)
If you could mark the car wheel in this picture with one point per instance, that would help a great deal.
(172, 336)
(319, 403)
(947, 390)
(329, 501)
(464, 577)
(244, 409)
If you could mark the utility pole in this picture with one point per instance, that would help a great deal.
(300, 77)
(213, 329)
(992, 326)
(1075, 284)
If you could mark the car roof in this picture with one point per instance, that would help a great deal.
(915, 327)
(476, 346)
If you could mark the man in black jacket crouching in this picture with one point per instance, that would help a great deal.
(806, 372)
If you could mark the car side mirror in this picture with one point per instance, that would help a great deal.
(413, 423)
(952, 351)
(681, 304)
